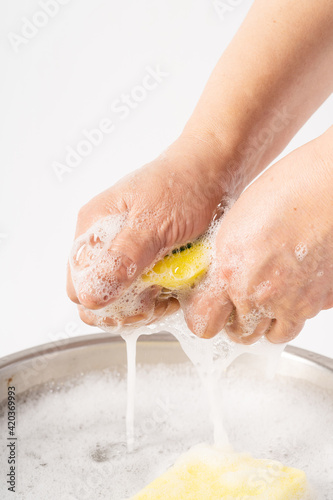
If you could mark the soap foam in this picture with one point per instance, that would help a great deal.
(301, 251)
(72, 437)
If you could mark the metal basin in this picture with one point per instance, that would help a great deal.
(31, 370)
(68, 358)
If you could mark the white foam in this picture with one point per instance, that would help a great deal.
(90, 262)
(301, 251)
(72, 438)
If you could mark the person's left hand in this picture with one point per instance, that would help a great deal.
(167, 203)
(274, 266)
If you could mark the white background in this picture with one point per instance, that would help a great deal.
(64, 80)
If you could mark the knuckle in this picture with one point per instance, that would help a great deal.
(86, 317)
(71, 292)
(289, 330)
(72, 295)
(83, 212)
(227, 273)
(233, 336)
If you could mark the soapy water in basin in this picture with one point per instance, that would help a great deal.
(72, 438)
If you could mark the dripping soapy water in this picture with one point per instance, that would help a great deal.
(210, 380)
(211, 387)
(131, 340)
(211, 358)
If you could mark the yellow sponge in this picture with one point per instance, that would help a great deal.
(205, 473)
(181, 268)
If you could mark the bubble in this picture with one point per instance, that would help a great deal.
(261, 289)
(131, 270)
(200, 323)
(301, 251)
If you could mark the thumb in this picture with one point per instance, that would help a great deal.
(116, 267)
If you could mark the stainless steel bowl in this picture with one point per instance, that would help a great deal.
(46, 367)
(69, 358)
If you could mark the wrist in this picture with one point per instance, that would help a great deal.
(250, 139)
(214, 161)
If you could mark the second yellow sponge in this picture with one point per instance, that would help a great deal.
(205, 473)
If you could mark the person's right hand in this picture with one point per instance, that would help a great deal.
(274, 253)
(169, 202)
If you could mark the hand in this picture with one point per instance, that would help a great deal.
(168, 202)
(274, 266)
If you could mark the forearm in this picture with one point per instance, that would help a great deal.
(275, 73)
